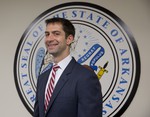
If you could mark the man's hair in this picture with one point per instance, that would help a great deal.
(67, 26)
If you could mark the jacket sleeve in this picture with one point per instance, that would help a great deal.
(89, 97)
(36, 105)
(36, 110)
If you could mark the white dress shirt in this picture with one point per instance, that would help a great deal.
(62, 64)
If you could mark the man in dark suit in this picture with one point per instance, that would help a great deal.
(77, 90)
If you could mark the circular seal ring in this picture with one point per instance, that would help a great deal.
(103, 42)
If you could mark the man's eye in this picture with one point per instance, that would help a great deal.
(46, 34)
(56, 34)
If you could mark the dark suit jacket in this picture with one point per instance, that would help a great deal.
(77, 94)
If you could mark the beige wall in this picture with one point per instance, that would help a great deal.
(15, 17)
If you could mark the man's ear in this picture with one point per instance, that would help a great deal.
(70, 39)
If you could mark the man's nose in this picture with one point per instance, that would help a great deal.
(50, 37)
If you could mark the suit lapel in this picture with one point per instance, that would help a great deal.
(44, 78)
(63, 79)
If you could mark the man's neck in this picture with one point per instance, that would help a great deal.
(60, 58)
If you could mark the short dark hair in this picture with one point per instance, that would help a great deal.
(66, 24)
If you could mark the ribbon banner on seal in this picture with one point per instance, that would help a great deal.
(96, 57)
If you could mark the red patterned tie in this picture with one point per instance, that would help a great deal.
(50, 87)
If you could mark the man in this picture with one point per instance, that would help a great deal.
(76, 90)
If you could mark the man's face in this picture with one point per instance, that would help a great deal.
(55, 40)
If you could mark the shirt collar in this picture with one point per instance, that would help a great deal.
(63, 63)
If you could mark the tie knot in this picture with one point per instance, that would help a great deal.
(55, 67)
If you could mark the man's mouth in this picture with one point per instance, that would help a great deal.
(51, 45)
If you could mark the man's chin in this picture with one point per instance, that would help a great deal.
(52, 53)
